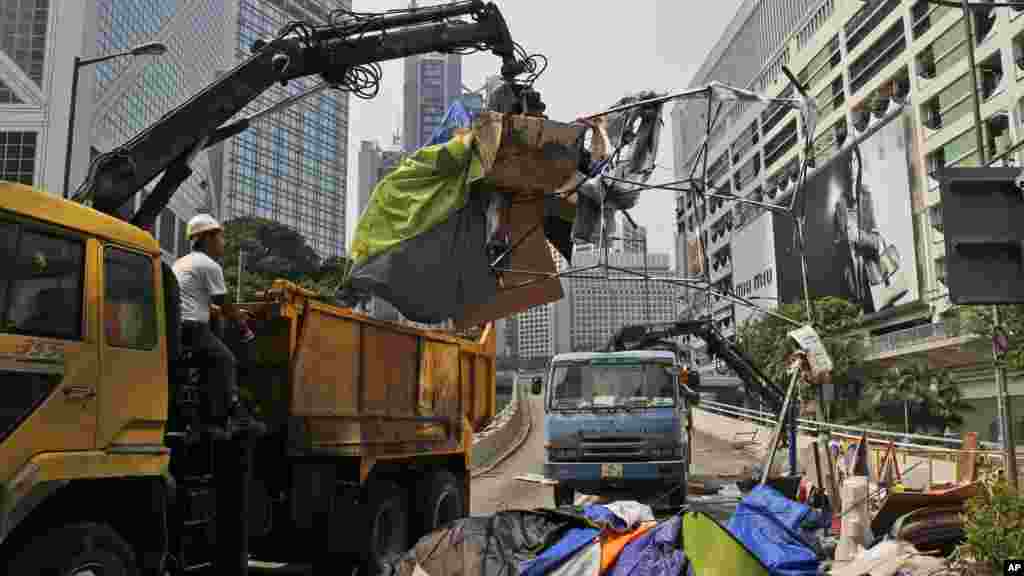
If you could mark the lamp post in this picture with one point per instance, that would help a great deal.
(149, 48)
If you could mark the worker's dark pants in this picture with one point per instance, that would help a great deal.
(221, 386)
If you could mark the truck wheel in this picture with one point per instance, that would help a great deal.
(564, 495)
(77, 550)
(387, 510)
(441, 501)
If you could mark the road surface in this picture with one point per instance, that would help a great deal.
(713, 457)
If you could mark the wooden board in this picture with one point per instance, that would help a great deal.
(532, 255)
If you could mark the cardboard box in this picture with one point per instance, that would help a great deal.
(527, 154)
(531, 255)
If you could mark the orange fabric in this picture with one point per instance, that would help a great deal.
(612, 544)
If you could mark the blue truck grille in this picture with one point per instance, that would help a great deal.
(618, 449)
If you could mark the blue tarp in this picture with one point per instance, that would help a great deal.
(653, 553)
(456, 117)
(573, 541)
(769, 525)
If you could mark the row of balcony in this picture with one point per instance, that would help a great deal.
(918, 335)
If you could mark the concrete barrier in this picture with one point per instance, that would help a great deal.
(504, 433)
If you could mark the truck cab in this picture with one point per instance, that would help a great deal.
(617, 421)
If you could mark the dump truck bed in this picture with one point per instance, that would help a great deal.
(337, 381)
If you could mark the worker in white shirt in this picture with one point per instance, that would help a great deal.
(201, 280)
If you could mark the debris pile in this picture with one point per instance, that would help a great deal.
(613, 539)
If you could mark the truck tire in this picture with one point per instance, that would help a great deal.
(387, 522)
(441, 501)
(85, 549)
(564, 495)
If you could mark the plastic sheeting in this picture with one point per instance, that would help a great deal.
(714, 551)
(657, 551)
(456, 117)
(770, 525)
(420, 243)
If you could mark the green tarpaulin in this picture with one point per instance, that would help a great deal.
(421, 193)
(420, 245)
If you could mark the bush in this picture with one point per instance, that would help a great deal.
(994, 525)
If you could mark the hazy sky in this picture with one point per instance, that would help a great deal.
(597, 53)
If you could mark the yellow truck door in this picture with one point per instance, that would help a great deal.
(133, 389)
(49, 362)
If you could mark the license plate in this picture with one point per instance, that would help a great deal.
(611, 470)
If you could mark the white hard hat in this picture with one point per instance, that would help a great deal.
(201, 223)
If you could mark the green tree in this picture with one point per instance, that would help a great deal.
(978, 320)
(917, 397)
(272, 250)
(949, 404)
(906, 388)
(766, 340)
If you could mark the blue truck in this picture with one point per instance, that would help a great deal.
(616, 420)
(619, 419)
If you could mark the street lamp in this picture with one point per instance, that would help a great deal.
(149, 48)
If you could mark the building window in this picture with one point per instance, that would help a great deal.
(7, 96)
(129, 308)
(866, 20)
(24, 35)
(924, 14)
(43, 297)
(823, 63)
(17, 156)
(744, 142)
(774, 113)
(949, 105)
(781, 143)
(943, 53)
(889, 45)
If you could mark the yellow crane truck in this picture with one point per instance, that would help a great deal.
(104, 468)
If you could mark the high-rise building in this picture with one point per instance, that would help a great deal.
(858, 60)
(35, 81)
(132, 93)
(290, 166)
(623, 237)
(115, 99)
(432, 83)
(374, 164)
(543, 331)
(601, 307)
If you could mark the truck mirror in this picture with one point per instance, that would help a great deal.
(537, 385)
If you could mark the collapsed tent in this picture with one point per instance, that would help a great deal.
(613, 539)
(434, 228)
(461, 230)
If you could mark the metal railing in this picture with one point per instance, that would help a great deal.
(812, 427)
(932, 449)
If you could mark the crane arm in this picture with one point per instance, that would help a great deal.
(640, 336)
(330, 51)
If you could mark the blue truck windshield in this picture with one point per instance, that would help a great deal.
(585, 386)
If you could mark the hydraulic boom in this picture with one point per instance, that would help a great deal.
(331, 51)
(641, 336)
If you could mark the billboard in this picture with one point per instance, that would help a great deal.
(753, 267)
(859, 229)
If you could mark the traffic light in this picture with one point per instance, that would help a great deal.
(983, 224)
